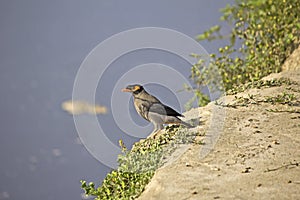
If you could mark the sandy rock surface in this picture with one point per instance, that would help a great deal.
(249, 152)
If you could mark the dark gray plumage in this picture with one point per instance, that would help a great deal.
(151, 109)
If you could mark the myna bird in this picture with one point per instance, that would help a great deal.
(151, 109)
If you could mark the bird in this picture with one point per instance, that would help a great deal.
(150, 108)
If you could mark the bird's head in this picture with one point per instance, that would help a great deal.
(133, 89)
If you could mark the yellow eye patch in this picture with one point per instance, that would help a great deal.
(136, 87)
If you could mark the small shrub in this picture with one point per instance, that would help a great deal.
(137, 166)
(264, 33)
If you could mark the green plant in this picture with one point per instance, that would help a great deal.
(201, 98)
(284, 98)
(283, 110)
(137, 166)
(263, 34)
(261, 84)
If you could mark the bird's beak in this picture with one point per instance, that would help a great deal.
(125, 90)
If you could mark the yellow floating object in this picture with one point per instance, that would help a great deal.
(82, 107)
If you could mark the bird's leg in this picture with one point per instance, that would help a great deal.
(157, 130)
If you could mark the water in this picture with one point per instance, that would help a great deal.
(42, 44)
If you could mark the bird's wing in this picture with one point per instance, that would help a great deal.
(163, 110)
